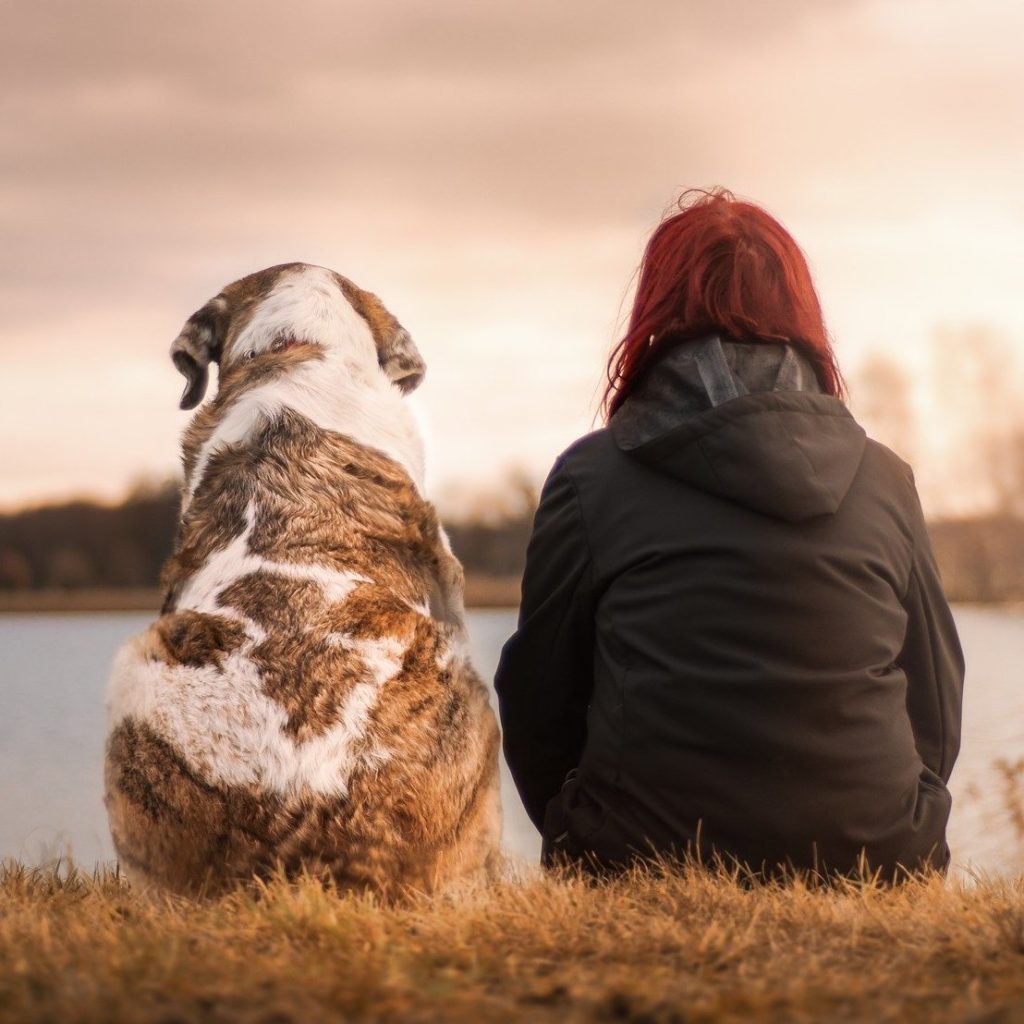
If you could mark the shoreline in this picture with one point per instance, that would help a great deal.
(481, 592)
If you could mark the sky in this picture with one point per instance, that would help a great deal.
(492, 171)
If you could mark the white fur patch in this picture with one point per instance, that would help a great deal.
(307, 303)
(347, 392)
(221, 721)
(230, 732)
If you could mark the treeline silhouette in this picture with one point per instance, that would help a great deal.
(80, 545)
(84, 545)
(982, 558)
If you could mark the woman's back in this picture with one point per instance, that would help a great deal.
(715, 615)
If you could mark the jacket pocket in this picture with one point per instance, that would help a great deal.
(572, 819)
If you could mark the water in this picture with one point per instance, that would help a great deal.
(53, 674)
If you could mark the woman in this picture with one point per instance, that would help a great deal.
(733, 639)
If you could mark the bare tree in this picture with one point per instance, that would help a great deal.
(978, 384)
(884, 403)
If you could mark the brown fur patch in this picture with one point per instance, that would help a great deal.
(235, 381)
(195, 638)
(383, 324)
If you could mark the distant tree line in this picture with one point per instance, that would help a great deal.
(83, 545)
(981, 559)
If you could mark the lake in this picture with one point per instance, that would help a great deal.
(53, 671)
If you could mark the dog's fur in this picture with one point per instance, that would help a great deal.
(305, 701)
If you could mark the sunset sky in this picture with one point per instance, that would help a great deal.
(491, 170)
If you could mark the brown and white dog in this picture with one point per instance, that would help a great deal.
(305, 701)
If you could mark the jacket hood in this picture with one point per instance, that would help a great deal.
(747, 422)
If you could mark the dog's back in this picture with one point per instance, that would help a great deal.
(305, 701)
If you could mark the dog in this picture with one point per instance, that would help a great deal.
(305, 702)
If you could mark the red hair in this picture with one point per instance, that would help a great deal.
(721, 265)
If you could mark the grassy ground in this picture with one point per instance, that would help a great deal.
(692, 947)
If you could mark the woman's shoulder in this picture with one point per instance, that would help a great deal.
(595, 471)
(882, 460)
(592, 455)
(596, 444)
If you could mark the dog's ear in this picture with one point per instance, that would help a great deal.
(400, 359)
(200, 341)
(397, 353)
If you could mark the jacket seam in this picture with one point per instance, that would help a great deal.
(592, 568)
(580, 584)
(939, 701)
(941, 704)
(708, 461)
(912, 572)
(583, 520)
(813, 470)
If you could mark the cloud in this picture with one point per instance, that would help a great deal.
(492, 170)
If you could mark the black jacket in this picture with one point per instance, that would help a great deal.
(732, 626)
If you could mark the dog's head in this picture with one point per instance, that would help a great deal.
(288, 305)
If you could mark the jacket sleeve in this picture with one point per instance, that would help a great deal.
(931, 659)
(545, 674)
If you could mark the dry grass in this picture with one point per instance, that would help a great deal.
(686, 947)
